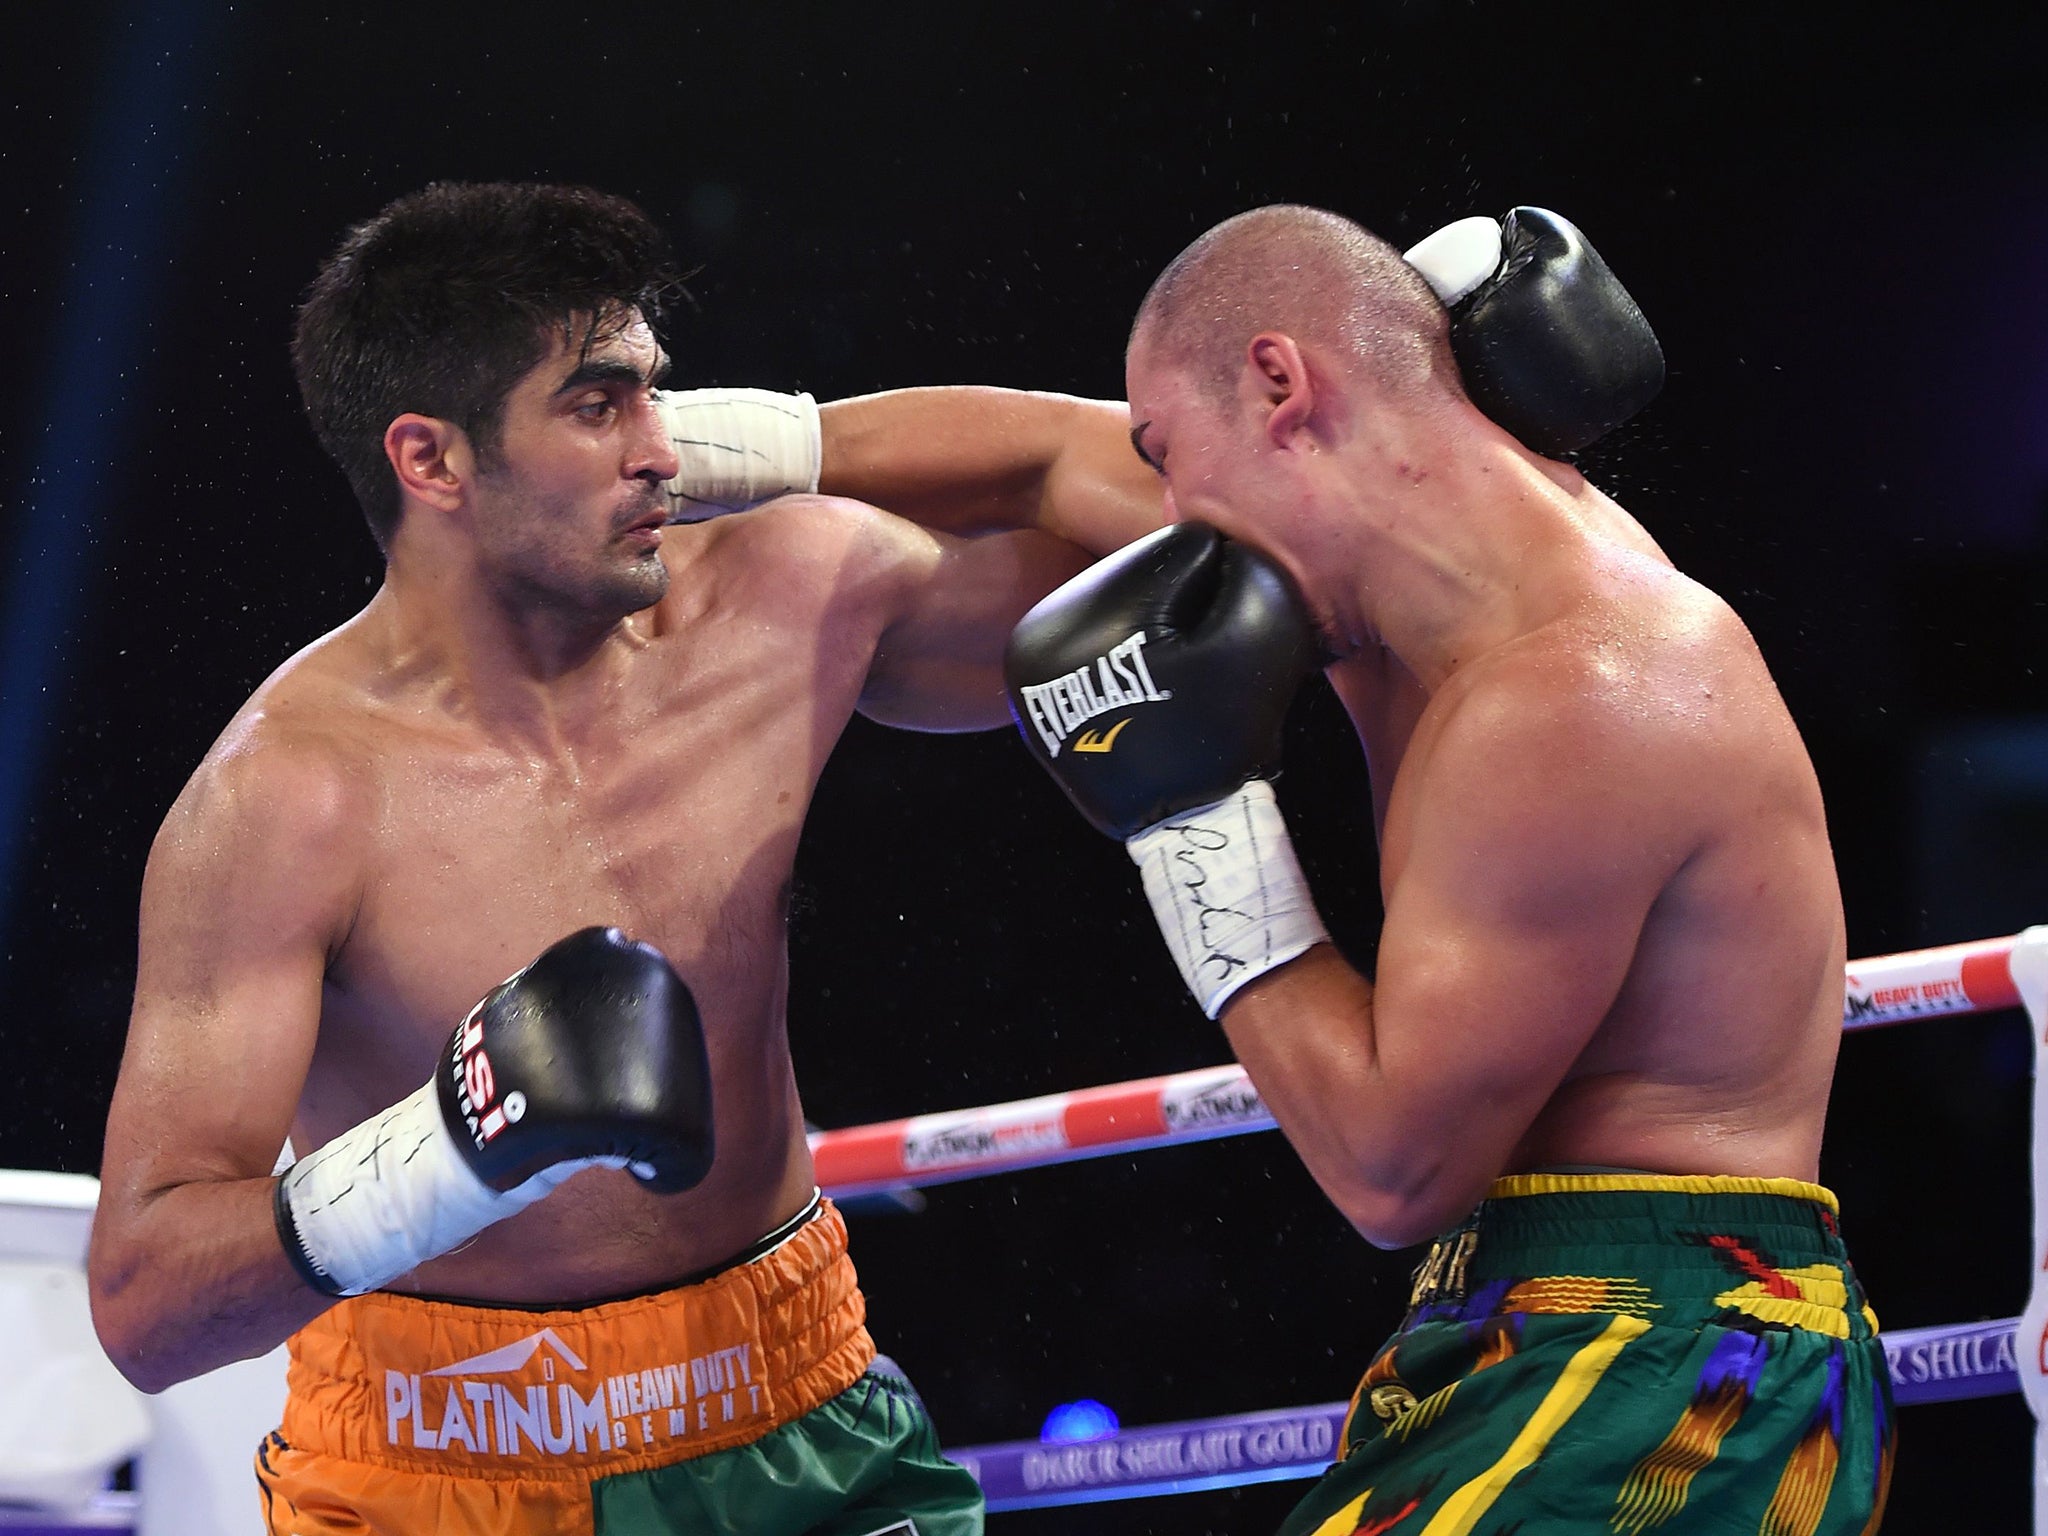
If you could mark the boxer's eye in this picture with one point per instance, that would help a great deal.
(1156, 465)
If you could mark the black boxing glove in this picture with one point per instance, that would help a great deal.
(1153, 688)
(593, 1054)
(1548, 342)
(1159, 678)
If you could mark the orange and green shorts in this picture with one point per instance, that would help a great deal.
(1623, 1354)
(750, 1401)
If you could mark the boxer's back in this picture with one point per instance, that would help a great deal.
(1716, 1053)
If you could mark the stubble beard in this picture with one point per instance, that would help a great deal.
(643, 583)
(600, 590)
(616, 588)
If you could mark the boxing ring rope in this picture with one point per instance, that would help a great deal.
(1942, 1363)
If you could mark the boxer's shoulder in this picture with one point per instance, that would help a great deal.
(808, 526)
(810, 549)
(297, 762)
(268, 844)
(1560, 714)
(1643, 714)
(275, 770)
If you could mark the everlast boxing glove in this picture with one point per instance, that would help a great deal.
(592, 1054)
(1548, 342)
(1153, 688)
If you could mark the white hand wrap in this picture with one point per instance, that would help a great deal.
(738, 447)
(383, 1198)
(1458, 257)
(1228, 892)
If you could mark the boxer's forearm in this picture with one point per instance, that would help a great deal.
(962, 459)
(969, 459)
(192, 1278)
(1306, 1036)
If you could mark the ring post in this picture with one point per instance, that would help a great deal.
(2030, 975)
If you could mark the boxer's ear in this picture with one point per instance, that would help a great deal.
(1277, 377)
(432, 459)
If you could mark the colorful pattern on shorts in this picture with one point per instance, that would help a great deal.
(1623, 1354)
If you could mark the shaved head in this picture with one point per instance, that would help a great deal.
(1313, 275)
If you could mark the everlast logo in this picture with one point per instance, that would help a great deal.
(476, 1088)
(1113, 680)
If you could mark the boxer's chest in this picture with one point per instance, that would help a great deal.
(676, 819)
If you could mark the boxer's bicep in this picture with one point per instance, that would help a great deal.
(250, 886)
(939, 663)
(1532, 858)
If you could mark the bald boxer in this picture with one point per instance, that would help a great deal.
(1594, 1059)
(556, 712)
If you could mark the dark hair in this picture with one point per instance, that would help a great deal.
(447, 298)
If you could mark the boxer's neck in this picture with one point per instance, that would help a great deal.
(1461, 542)
(522, 671)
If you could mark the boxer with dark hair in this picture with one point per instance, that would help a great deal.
(539, 1293)
(1593, 1062)
(446, 301)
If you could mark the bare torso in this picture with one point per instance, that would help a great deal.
(675, 816)
(1717, 1053)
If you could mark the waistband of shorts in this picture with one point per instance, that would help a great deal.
(1680, 1249)
(580, 1392)
(1531, 1207)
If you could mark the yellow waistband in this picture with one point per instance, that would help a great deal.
(1659, 1183)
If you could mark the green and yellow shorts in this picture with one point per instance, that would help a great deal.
(749, 1401)
(1623, 1353)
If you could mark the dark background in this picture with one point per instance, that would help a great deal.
(1835, 219)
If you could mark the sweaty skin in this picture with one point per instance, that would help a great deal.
(969, 459)
(554, 713)
(1614, 932)
(1613, 929)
